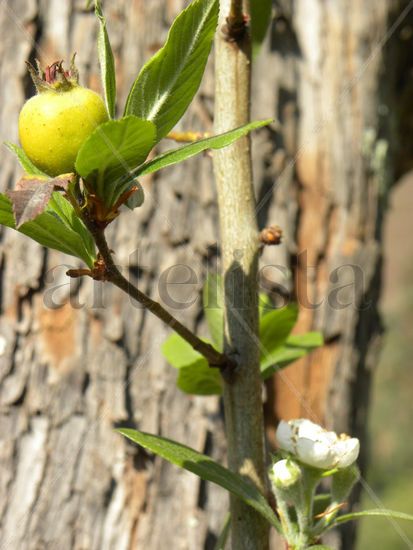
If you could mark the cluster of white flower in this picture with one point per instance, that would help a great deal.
(313, 445)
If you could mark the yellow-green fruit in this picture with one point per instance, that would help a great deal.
(54, 124)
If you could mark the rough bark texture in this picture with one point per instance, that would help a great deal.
(69, 374)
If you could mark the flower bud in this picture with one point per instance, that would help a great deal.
(285, 473)
(313, 445)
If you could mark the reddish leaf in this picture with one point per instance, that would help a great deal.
(32, 194)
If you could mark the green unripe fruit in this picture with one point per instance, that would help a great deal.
(54, 124)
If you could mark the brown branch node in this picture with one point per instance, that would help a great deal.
(271, 236)
(235, 28)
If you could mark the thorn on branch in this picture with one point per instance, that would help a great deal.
(271, 236)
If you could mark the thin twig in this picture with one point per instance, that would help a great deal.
(113, 275)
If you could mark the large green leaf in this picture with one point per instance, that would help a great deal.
(111, 152)
(195, 375)
(53, 231)
(166, 85)
(216, 142)
(206, 469)
(212, 297)
(260, 20)
(275, 327)
(106, 61)
(24, 160)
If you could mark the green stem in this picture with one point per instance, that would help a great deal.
(239, 245)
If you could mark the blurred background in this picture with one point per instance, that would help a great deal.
(78, 358)
(390, 473)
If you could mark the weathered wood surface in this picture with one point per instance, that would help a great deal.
(77, 361)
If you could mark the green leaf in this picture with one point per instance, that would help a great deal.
(179, 353)
(206, 468)
(200, 379)
(50, 230)
(195, 375)
(320, 547)
(216, 142)
(265, 304)
(24, 160)
(107, 63)
(66, 213)
(296, 346)
(274, 330)
(370, 513)
(260, 20)
(167, 84)
(111, 152)
(212, 297)
(308, 340)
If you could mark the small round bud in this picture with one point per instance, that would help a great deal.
(285, 473)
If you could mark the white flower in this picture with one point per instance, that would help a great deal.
(285, 473)
(315, 446)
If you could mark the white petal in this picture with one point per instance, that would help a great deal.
(347, 451)
(308, 429)
(318, 454)
(284, 435)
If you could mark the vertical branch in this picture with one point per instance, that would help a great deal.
(239, 238)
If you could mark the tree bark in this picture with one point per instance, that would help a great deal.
(80, 359)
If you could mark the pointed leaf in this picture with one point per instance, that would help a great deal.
(206, 468)
(260, 20)
(111, 152)
(30, 200)
(49, 230)
(216, 142)
(212, 297)
(32, 194)
(167, 84)
(24, 160)
(107, 63)
(370, 513)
